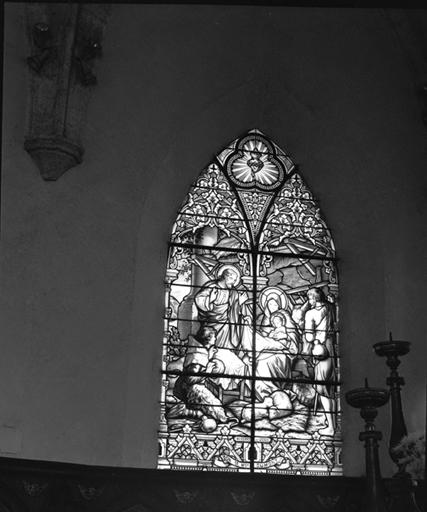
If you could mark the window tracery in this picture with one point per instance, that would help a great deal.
(250, 368)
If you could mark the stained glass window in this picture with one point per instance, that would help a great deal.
(250, 367)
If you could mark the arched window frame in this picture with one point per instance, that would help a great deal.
(249, 205)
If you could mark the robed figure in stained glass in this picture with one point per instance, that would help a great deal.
(318, 337)
(222, 306)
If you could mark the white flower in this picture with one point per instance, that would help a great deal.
(411, 452)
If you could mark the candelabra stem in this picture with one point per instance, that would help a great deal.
(368, 400)
(375, 501)
(398, 427)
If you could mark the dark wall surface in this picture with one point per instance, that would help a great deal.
(83, 258)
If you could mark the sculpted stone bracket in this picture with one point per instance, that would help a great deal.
(65, 41)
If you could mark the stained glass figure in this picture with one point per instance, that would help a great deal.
(250, 367)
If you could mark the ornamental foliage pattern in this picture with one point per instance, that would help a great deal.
(250, 367)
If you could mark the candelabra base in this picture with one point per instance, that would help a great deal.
(401, 493)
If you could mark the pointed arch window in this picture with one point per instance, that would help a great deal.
(250, 367)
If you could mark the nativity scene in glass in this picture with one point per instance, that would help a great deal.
(250, 367)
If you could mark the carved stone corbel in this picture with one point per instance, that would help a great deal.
(64, 43)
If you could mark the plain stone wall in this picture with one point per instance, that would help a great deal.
(83, 258)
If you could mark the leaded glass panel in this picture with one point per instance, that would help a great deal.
(250, 352)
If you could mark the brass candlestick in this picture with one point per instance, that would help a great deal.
(368, 400)
(392, 349)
